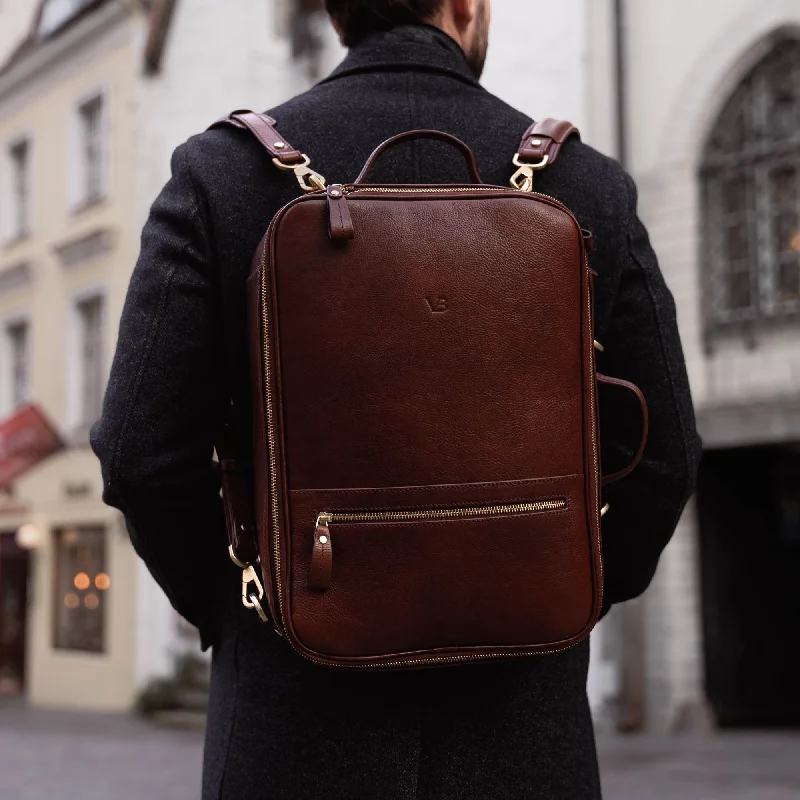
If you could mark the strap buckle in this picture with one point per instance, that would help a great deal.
(250, 599)
(309, 180)
(522, 179)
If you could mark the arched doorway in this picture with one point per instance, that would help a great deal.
(749, 497)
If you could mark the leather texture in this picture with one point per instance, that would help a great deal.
(262, 126)
(426, 476)
(440, 360)
(545, 138)
(340, 223)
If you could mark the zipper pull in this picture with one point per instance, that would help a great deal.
(319, 574)
(340, 223)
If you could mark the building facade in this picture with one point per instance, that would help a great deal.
(705, 116)
(92, 103)
(716, 154)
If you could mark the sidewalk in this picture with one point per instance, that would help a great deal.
(46, 755)
(729, 766)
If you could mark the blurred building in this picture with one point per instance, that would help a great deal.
(92, 102)
(702, 104)
(701, 101)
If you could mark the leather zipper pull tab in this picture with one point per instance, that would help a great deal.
(319, 574)
(340, 223)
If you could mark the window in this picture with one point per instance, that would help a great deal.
(90, 157)
(751, 199)
(19, 157)
(90, 360)
(15, 203)
(81, 588)
(18, 360)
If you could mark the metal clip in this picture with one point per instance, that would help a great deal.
(605, 509)
(250, 600)
(309, 180)
(249, 575)
(522, 179)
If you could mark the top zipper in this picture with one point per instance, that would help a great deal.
(340, 223)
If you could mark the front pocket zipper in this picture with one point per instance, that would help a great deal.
(320, 573)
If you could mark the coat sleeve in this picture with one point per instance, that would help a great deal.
(642, 344)
(165, 401)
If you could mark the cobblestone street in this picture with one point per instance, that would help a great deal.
(49, 755)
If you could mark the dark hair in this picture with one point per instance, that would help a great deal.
(356, 18)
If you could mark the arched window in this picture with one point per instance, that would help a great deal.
(750, 177)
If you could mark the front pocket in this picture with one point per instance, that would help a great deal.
(321, 569)
(408, 577)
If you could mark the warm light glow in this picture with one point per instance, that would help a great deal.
(70, 537)
(796, 242)
(28, 536)
(91, 601)
(82, 581)
(71, 601)
(102, 581)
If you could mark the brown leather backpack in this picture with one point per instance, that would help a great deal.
(425, 486)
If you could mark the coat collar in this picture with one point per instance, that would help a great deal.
(415, 47)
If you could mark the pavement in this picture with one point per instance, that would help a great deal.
(49, 755)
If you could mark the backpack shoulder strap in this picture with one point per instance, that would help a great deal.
(540, 147)
(284, 156)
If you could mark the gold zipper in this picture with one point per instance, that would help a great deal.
(321, 569)
(595, 458)
(348, 190)
(272, 499)
(345, 517)
(427, 190)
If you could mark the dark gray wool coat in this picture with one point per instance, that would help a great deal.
(281, 728)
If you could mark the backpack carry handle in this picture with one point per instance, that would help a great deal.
(637, 392)
(408, 136)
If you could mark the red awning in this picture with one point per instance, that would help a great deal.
(26, 438)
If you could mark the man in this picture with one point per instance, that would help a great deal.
(280, 727)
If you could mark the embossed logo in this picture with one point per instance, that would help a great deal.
(438, 305)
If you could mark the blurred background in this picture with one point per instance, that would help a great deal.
(701, 103)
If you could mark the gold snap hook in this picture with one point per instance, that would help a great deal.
(249, 575)
(522, 179)
(250, 600)
(309, 180)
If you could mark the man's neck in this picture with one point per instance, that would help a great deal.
(446, 24)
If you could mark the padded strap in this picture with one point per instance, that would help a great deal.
(631, 387)
(263, 128)
(544, 139)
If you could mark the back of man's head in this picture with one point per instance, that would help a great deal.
(356, 18)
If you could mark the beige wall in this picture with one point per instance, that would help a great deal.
(43, 107)
(16, 18)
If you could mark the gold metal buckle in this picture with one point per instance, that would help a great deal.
(309, 180)
(522, 179)
(249, 575)
(250, 600)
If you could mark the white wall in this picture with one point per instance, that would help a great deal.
(537, 58)
(219, 57)
(685, 58)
